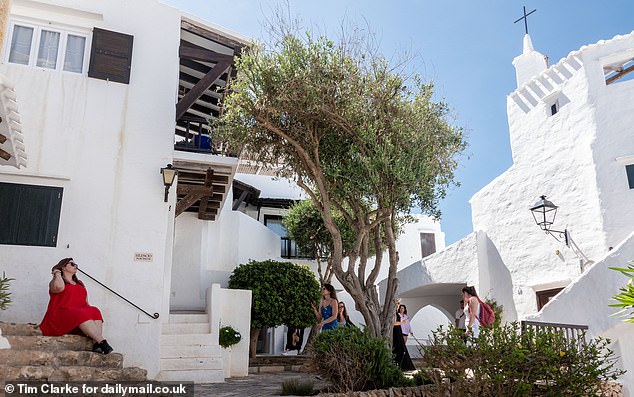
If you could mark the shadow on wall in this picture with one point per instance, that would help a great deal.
(495, 277)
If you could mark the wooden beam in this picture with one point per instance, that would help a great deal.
(235, 44)
(201, 54)
(205, 199)
(4, 155)
(3, 138)
(617, 76)
(197, 91)
(238, 201)
(187, 202)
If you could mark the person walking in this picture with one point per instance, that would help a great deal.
(471, 311)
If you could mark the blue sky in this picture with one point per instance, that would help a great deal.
(465, 47)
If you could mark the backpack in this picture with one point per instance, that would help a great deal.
(487, 317)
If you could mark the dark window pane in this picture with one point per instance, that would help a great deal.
(29, 215)
(629, 169)
(427, 244)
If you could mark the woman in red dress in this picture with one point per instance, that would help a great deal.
(68, 308)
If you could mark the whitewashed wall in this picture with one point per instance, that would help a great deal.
(585, 301)
(104, 143)
(570, 157)
(207, 252)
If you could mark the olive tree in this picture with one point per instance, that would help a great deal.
(305, 225)
(282, 293)
(358, 136)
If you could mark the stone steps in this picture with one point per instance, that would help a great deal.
(58, 358)
(189, 352)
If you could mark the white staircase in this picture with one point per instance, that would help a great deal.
(189, 352)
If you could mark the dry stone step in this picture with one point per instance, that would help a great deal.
(50, 343)
(60, 358)
(72, 374)
(22, 329)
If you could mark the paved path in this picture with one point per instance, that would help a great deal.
(263, 384)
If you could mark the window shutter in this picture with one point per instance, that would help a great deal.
(110, 56)
(29, 215)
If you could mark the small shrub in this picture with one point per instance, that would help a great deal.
(424, 377)
(294, 387)
(504, 362)
(5, 293)
(354, 361)
(228, 337)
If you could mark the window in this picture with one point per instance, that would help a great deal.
(289, 247)
(29, 215)
(629, 170)
(110, 56)
(48, 48)
(545, 296)
(554, 108)
(427, 244)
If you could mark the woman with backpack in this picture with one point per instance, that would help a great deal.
(472, 311)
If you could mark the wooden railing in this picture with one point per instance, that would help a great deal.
(193, 134)
(574, 334)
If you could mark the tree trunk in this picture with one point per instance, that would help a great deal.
(253, 341)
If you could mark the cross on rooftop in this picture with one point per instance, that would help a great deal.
(525, 19)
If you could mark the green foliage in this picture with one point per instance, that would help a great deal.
(5, 293)
(282, 292)
(625, 298)
(351, 360)
(228, 337)
(505, 362)
(356, 133)
(305, 226)
(294, 387)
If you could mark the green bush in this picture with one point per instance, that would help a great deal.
(5, 293)
(503, 361)
(353, 361)
(228, 337)
(294, 387)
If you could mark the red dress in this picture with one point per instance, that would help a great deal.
(66, 310)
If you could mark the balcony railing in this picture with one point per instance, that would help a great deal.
(193, 134)
(574, 334)
(290, 250)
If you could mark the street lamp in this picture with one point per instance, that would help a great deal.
(544, 212)
(169, 173)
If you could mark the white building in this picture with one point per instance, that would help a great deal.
(572, 140)
(106, 102)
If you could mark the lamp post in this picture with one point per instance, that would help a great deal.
(544, 212)
(169, 173)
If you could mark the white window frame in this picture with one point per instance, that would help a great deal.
(35, 43)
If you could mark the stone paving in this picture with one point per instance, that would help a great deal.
(261, 384)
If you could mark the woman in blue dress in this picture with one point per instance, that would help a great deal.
(328, 309)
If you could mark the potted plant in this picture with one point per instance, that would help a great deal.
(228, 337)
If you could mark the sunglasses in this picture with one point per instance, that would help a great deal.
(72, 264)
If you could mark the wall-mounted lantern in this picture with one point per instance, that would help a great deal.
(169, 173)
(544, 212)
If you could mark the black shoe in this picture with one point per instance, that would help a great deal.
(105, 347)
(97, 348)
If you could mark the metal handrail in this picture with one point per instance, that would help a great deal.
(155, 316)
